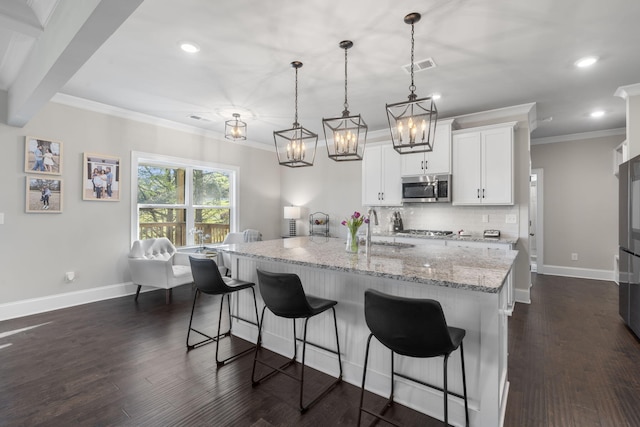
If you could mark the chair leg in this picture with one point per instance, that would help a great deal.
(328, 388)
(446, 392)
(209, 339)
(281, 369)
(364, 378)
(274, 370)
(464, 387)
(379, 415)
(168, 294)
(138, 292)
(193, 307)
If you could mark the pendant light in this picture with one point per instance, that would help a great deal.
(296, 147)
(235, 128)
(345, 136)
(412, 123)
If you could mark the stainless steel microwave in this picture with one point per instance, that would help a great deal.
(426, 189)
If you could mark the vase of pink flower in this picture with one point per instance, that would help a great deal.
(353, 223)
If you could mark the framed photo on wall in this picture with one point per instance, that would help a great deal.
(42, 156)
(43, 195)
(101, 177)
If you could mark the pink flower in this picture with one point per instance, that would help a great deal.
(356, 215)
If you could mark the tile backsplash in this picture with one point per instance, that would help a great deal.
(435, 216)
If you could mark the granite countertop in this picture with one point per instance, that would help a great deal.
(475, 269)
(454, 237)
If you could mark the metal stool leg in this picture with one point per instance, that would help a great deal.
(446, 393)
(464, 387)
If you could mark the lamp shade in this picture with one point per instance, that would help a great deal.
(292, 212)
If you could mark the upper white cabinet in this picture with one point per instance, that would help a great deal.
(434, 162)
(381, 181)
(483, 165)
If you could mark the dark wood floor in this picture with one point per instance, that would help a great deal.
(571, 363)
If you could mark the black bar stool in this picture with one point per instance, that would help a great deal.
(284, 296)
(411, 327)
(207, 278)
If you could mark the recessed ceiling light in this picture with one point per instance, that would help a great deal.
(598, 113)
(436, 96)
(587, 61)
(189, 47)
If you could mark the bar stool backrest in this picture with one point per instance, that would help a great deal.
(207, 277)
(283, 294)
(408, 326)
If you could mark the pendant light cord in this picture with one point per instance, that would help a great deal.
(412, 88)
(295, 123)
(346, 104)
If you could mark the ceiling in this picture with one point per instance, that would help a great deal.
(489, 54)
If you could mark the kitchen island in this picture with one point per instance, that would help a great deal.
(471, 285)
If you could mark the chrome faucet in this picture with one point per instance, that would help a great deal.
(368, 236)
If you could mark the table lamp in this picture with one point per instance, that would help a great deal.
(292, 213)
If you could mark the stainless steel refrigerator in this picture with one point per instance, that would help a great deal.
(629, 241)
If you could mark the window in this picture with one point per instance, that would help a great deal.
(187, 201)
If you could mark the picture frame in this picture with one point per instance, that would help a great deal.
(43, 194)
(101, 177)
(42, 156)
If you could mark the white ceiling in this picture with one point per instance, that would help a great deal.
(489, 54)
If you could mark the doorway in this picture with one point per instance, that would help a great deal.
(536, 221)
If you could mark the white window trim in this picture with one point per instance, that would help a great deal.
(138, 157)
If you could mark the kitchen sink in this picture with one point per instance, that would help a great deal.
(397, 245)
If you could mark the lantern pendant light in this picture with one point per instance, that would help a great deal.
(235, 128)
(345, 136)
(412, 123)
(296, 147)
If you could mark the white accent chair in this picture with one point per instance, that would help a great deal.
(248, 235)
(157, 263)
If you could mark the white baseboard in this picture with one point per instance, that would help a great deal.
(523, 296)
(582, 273)
(28, 307)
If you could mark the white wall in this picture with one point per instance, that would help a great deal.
(92, 238)
(580, 203)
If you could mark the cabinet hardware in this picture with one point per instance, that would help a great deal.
(478, 194)
(483, 193)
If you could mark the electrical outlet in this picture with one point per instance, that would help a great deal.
(511, 219)
(485, 218)
(574, 256)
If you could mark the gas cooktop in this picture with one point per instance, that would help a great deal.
(426, 232)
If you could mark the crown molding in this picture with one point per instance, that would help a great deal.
(501, 113)
(578, 136)
(98, 107)
(625, 92)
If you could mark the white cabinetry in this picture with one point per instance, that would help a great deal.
(381, 181)
(620, 155)
(434, 162)
(483, 165)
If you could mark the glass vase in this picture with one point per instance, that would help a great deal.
(352, 242)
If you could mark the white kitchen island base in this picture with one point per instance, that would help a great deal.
(482, 314)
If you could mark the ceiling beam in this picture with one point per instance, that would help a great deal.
(75, 31)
